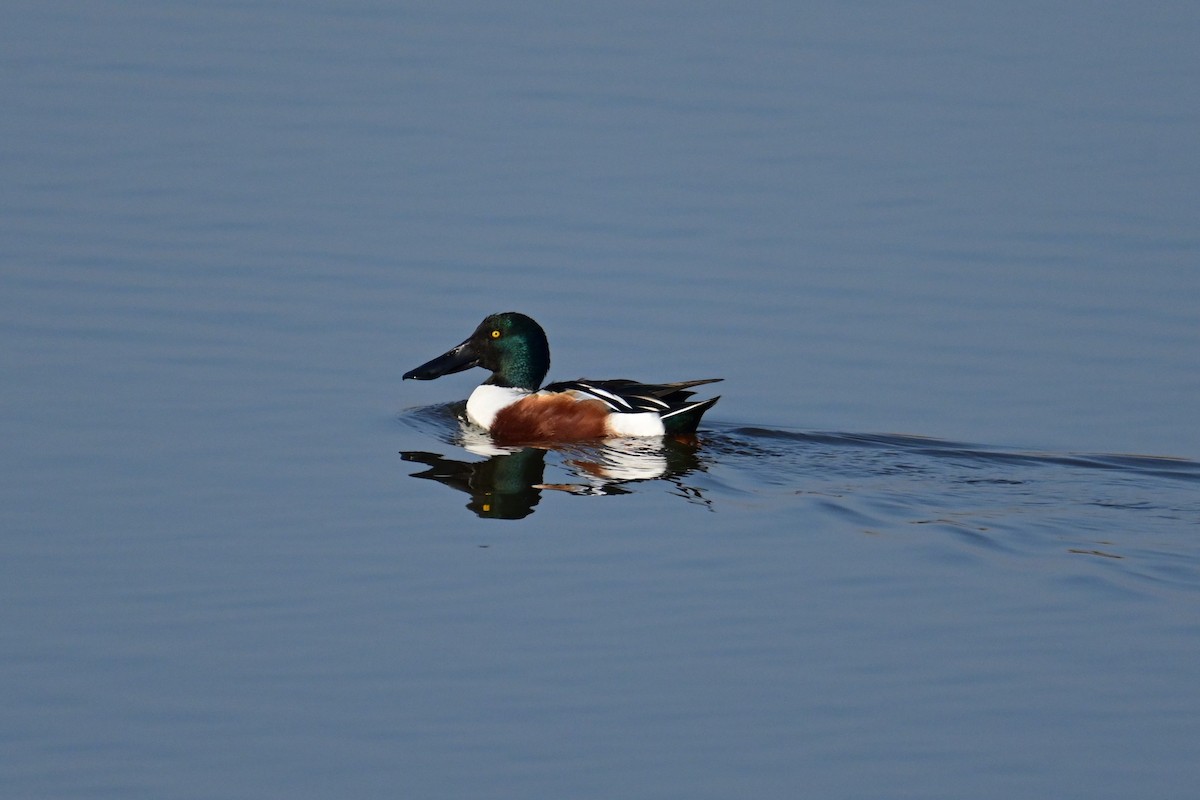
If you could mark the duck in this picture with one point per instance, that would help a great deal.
(515, 408)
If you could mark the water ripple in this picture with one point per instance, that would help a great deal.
(1140, 513)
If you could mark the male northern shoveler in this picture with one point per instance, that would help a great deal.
(510, 405)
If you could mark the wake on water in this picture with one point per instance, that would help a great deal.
(1110, 506)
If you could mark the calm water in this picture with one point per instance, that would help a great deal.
(940, 538)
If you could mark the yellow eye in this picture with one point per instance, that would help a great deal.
(495, 334)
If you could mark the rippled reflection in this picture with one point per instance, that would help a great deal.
(508, 482)
(875, 480)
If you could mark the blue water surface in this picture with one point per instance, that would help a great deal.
(937, 540)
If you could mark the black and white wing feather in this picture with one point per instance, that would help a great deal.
(631, 397)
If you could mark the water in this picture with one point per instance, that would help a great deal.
(938, 539)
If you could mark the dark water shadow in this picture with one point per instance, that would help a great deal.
(1135, 517)
(1147, 465)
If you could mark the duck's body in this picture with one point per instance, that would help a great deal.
(512, 408)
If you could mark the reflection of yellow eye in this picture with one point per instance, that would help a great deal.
(495, 334)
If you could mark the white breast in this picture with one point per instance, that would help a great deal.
(487, 400)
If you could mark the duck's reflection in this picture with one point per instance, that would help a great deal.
(509, 482)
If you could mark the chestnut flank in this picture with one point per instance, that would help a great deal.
(550, 418)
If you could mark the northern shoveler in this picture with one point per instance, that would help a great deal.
(513, 409)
